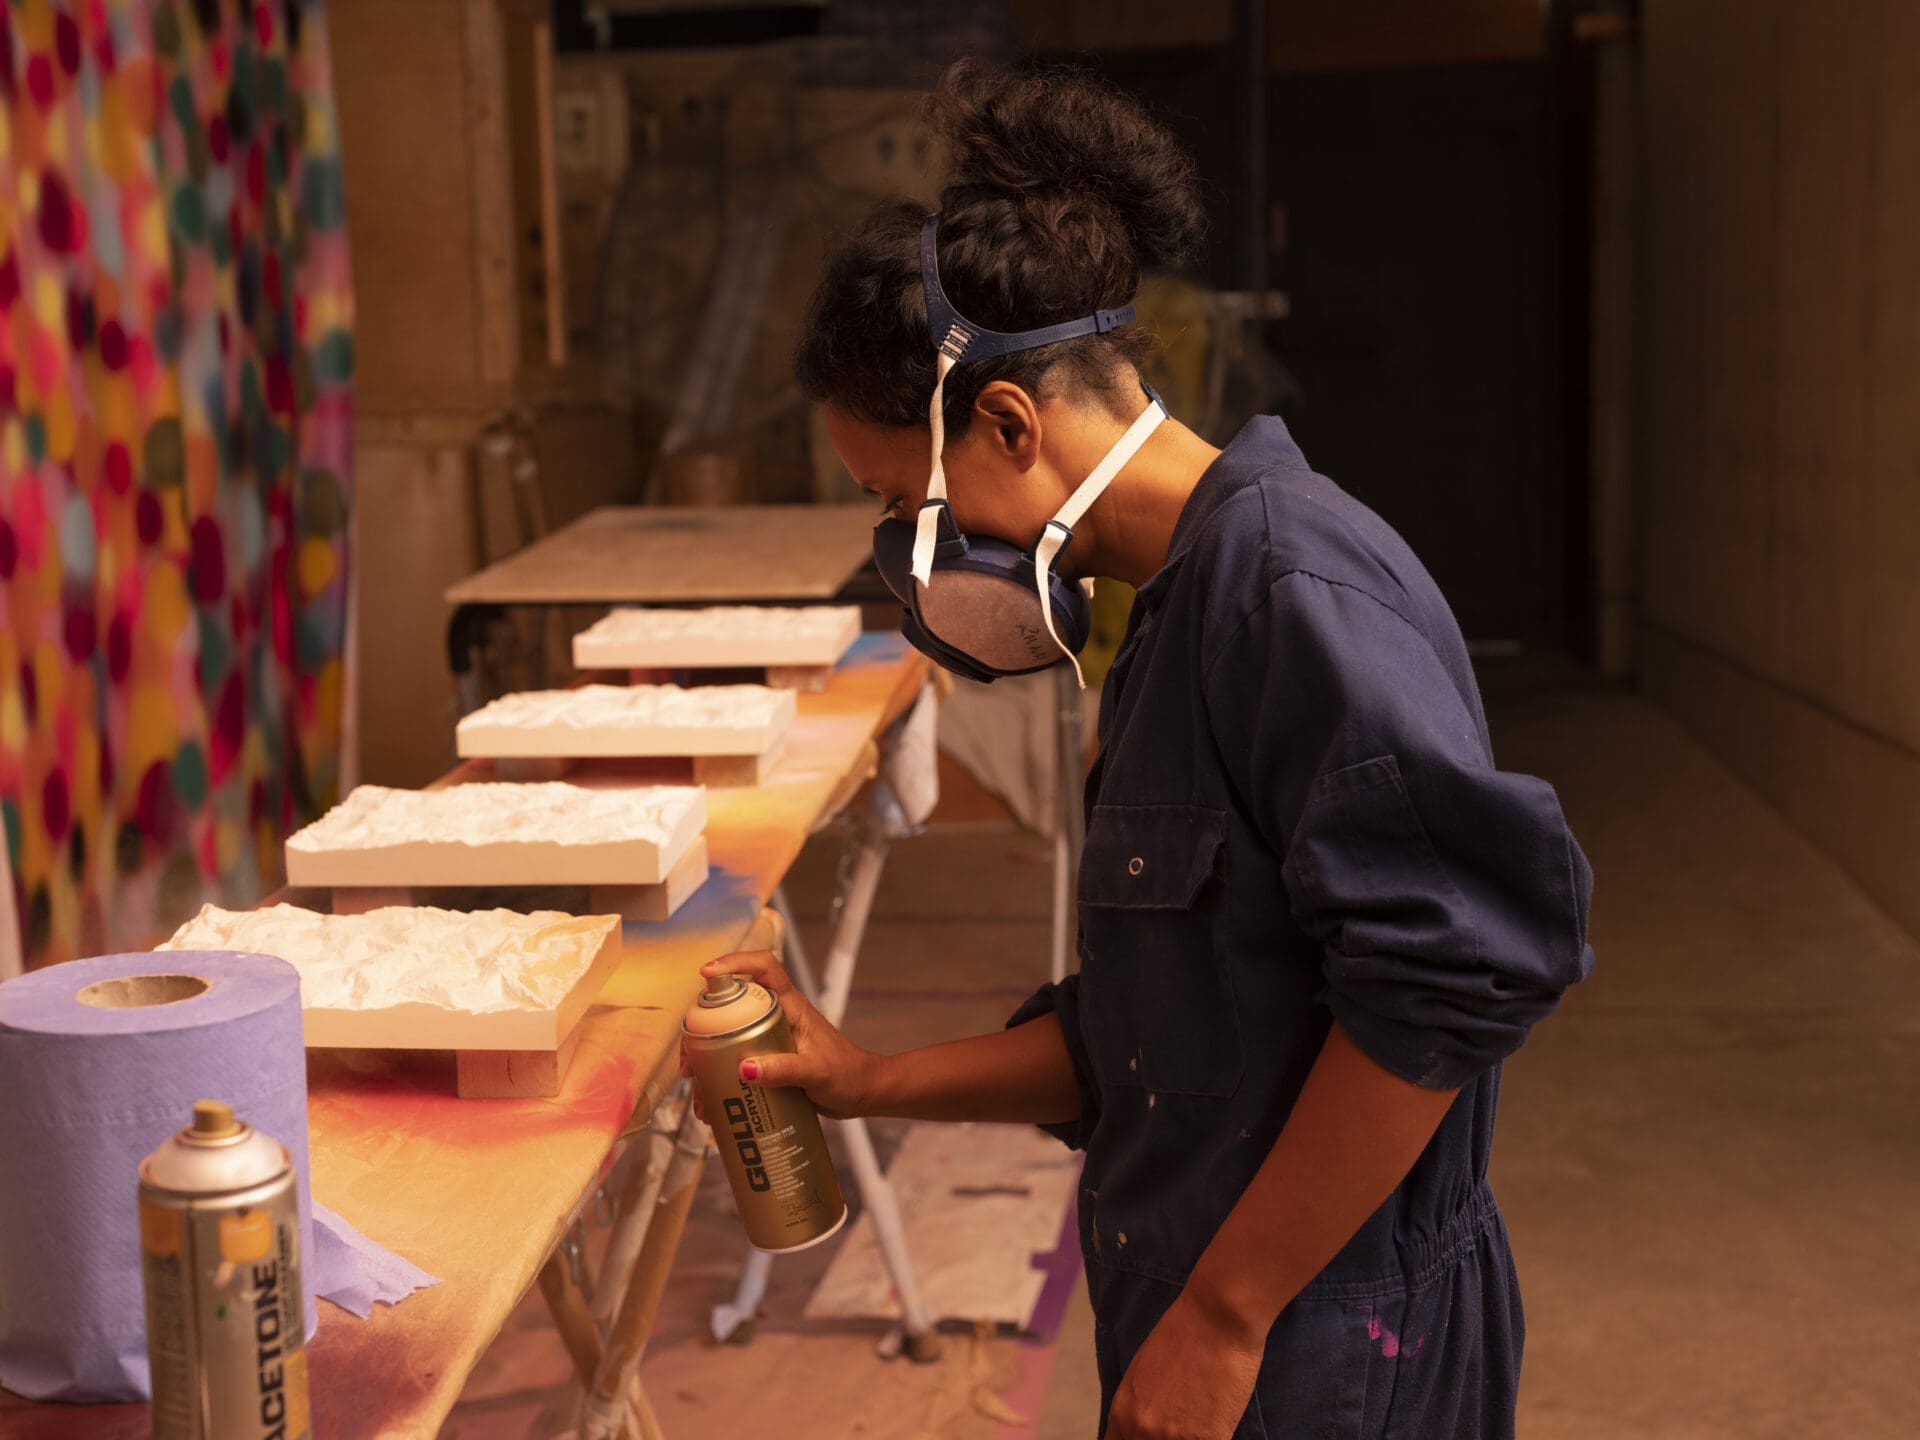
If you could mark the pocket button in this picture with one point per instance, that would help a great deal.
(1136, 865)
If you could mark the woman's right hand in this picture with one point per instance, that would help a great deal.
(838, 1076)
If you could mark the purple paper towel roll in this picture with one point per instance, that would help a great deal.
(94, 1074)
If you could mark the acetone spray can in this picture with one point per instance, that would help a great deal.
(226, 1320)
(769, 1136)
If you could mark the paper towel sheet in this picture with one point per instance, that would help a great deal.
(359, 1271)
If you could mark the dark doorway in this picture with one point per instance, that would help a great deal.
(1416, 254)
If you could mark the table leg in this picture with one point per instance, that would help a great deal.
(876, 1193)
(734, 1320)
(797, 961)
(609, 1406)
(855, 906)
(577, 1330)
(638, 1199)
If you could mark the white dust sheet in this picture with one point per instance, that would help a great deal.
(978, 1202)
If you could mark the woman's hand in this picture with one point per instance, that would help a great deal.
(838, 1076)
(1192, 1380)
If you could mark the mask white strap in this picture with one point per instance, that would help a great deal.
(1044, 551)
(1057, 533)
(1101, 476)
(927, 523)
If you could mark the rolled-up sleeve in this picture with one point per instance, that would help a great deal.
(1062, 998)
(1449, 897)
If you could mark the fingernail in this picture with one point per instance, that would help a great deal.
(749, 1069)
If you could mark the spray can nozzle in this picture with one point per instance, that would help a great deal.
(722, 990)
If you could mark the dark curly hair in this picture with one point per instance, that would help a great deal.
(1060, 192)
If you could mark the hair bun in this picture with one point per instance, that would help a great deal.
(1043, 132)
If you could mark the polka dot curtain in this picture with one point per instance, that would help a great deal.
(175, 430)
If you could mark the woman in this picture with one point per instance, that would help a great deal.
(1314, 917)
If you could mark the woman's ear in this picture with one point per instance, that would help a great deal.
(1009, 423)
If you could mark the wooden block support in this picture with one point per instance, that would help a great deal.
(722, 771)
(808, 679)
(654, 902)
(354, 900)
(513, 1074)
(522, 770)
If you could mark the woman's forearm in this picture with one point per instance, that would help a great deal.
(1352, 1136)
(1018, 1076)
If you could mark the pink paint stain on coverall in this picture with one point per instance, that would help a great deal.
(1389, 1342)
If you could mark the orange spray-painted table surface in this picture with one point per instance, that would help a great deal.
(479, 1191)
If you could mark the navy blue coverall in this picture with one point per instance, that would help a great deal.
(1295, 819)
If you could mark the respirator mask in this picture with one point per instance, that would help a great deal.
(981, 607)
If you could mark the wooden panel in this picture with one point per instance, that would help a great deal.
(485, 128)
(553, 272)
(535, 221)
(401, 84)
(683, 555)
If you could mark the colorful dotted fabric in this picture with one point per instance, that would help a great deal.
(175, 433)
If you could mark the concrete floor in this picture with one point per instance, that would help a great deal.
(1709, 1160)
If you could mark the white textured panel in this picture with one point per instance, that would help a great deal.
(495, 834)
(417, 978)
(629, 721)
(717, 638)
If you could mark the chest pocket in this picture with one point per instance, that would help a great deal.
(1156, 980)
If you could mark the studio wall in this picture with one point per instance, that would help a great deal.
(1780, 408)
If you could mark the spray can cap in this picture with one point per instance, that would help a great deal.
(722, 990)
(213, 1120)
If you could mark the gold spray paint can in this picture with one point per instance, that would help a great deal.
(769, 1136)
(220, 1251)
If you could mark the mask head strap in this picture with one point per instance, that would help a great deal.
(975, 342)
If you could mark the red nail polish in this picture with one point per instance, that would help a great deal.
(749, 1069)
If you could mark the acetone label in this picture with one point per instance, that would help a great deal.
(226, 1322)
